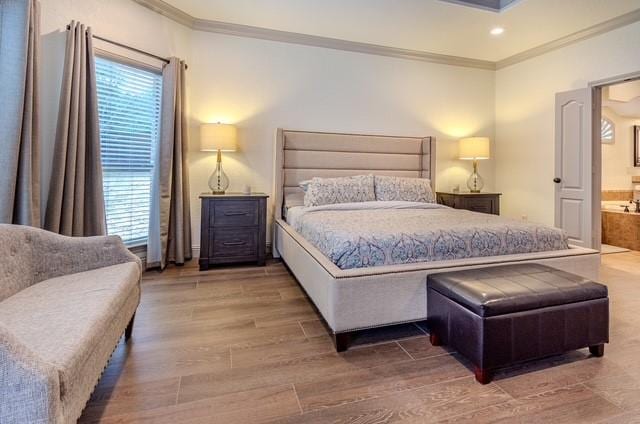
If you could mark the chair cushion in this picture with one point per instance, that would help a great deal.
(514, 288)
(63, 319)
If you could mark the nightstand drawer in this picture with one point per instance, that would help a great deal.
(476, 202)
(484, 205)
(234, 242)
(236, 213)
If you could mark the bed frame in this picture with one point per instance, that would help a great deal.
(356, 299)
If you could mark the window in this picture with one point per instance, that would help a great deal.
(129, 112)
(607, 131)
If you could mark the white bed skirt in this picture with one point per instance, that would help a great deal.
(361, 298)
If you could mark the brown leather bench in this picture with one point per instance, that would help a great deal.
(503, 315)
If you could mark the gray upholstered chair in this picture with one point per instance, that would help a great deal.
(64, 304)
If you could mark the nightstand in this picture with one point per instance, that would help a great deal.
(233, 228)
(476, 202)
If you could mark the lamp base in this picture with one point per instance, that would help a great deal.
(218, 181)
(475, 181)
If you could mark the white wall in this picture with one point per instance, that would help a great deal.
(617, 158)
(262, 85)
(525, 114)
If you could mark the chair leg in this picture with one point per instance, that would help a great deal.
(483, 375)
(129, 330)
(597, 350)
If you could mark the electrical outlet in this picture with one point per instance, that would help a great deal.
(525, 218)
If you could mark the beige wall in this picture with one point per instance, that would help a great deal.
(525, 114)
(262, 85)
(617, 158)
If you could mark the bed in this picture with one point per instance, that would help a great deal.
(354, 294)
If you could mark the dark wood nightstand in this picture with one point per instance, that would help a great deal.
(233, 228)
(476, 202)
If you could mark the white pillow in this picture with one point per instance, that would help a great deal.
(327, 191)
(405, 189)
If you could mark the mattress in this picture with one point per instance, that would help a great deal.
(367, 234)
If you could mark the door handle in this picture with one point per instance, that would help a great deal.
(235, 213)
(557, 180)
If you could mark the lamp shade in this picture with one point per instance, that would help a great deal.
(474, 148)
(218, 137)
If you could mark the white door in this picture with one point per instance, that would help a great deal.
(573, 171)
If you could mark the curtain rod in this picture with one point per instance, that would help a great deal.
(115, 43)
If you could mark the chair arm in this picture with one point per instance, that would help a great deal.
(55, 255)
(30, 387)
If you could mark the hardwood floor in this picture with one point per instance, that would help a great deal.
(244, 345)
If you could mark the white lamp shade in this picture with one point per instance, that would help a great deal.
(215, 137)
(474, 148)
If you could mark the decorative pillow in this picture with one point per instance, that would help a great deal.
(327, 191)
(405, 189)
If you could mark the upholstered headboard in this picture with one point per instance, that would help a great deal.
(301, 155)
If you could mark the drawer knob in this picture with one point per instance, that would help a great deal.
(235, 213)
(234, 243)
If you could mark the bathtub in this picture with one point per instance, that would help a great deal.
(617, 205)
(620, 228)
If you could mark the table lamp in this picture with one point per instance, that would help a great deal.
(218, 138)
(475, 149)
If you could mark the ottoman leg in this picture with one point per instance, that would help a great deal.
(597, 350)
(483, 376)
(434, 339)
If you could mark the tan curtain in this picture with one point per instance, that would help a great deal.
(170, 219)
(19, 116)
(76, 203)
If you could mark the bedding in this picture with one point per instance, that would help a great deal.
(405, 189)
(324, 191)
(366, 234)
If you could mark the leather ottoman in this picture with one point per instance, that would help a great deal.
(503, 315)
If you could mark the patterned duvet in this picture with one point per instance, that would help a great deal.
(365, 234)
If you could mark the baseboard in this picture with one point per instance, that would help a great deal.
(196, 250)
(141, 252)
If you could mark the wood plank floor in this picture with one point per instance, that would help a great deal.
(244, 345)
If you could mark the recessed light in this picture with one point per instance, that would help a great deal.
(496, 31)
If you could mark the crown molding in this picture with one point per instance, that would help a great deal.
(239, 30)
(336, 44)
(601, 28)
(169, 11)
(495, 6)
(206, 25)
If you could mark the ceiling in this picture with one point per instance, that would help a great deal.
(623, 99)
(427, 25)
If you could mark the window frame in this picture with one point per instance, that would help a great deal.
(612, 125)
(140, 246)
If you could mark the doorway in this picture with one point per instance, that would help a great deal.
(579, 161)
(620, 167)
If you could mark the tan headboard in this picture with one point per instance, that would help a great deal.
(301, 155)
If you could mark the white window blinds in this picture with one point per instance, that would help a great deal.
(129, 110)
